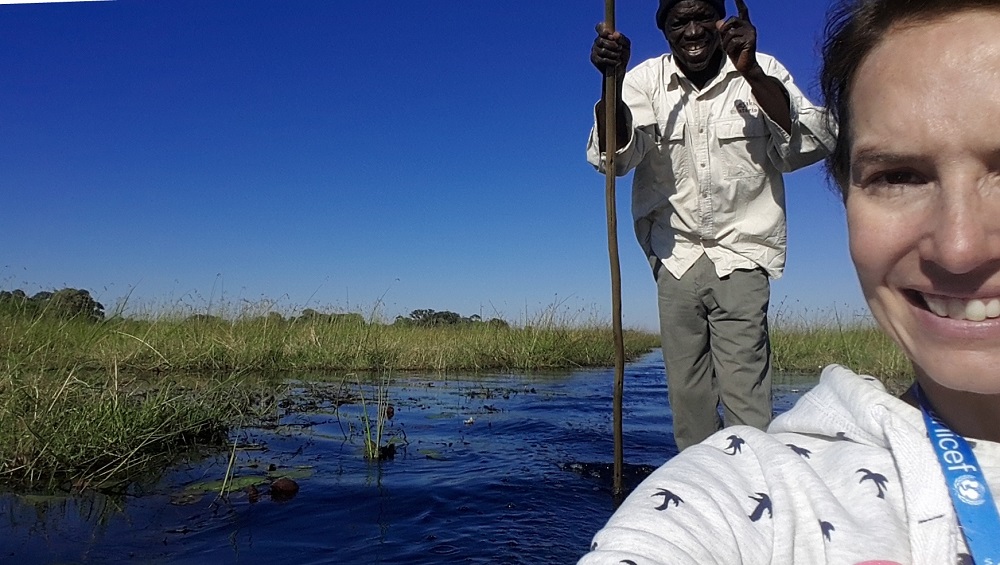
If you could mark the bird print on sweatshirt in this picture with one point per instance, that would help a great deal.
(763, 503)
(668, 499)
(800, 451)
(735, 444)
(880, 481)
(827, 528)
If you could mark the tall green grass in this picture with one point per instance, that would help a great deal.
(268, 344)
(74, 429)
(97, 404)
(807, 342)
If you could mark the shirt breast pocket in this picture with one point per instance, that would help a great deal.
(742, 146)
(671, 161)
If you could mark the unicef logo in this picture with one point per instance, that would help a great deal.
(970, 490)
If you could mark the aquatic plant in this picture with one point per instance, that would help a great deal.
(91, 430)
(374, 425)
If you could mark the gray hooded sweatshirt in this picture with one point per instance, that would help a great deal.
(847, 476)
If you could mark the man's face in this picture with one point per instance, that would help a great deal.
(690, 30)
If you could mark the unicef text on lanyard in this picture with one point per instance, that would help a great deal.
(977, 513)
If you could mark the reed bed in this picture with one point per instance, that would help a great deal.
(271, 345)
(97, 404)
(805, 343)
(74, 430)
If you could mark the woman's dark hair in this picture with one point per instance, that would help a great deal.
(854, 28)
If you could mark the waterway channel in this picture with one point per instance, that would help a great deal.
(497, 468)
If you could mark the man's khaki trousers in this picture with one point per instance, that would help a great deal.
(716, 349)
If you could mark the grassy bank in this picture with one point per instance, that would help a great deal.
(87, 403)
(73, 430)
(806, 345)
(268, 344)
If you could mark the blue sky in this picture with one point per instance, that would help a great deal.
(375, 156)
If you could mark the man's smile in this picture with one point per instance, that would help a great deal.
(696, 49)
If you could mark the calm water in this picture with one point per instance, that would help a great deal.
(501, 469)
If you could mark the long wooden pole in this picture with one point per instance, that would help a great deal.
(611, 147)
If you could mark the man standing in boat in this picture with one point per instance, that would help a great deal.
(709, 128)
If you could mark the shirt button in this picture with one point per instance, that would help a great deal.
(703, 165)
(701, 130)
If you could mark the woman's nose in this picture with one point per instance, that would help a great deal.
(965, 231)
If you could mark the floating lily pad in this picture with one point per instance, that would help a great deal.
(296, 473)
(432, 454)
(234, 484)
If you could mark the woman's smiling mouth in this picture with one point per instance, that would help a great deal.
(973, 310)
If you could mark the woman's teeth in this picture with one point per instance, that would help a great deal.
(973, 310)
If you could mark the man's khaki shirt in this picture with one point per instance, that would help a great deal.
(708, 165)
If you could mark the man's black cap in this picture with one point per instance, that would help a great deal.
(667, 5)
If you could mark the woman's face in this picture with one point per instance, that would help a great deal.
(923, 205)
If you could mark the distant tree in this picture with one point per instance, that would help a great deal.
(422, 317)
(66, 303)
(15, 303)
(43, 296)
(446, 318)
(431, 318)
(204, 319)
(8, 297)
(498, 323)
(76, 303)
(348, 318)
(310, 314)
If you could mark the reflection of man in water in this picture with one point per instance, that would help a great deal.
(708, 129)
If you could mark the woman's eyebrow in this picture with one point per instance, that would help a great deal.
(874, 156)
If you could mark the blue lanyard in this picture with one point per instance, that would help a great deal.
(977, 513)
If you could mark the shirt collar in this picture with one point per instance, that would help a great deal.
(677, 77)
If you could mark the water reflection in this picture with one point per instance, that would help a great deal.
(492, 469)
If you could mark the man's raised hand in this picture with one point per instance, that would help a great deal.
(739, 39)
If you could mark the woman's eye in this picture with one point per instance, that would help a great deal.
(893, 183)
(896, 178)
(900, 177)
